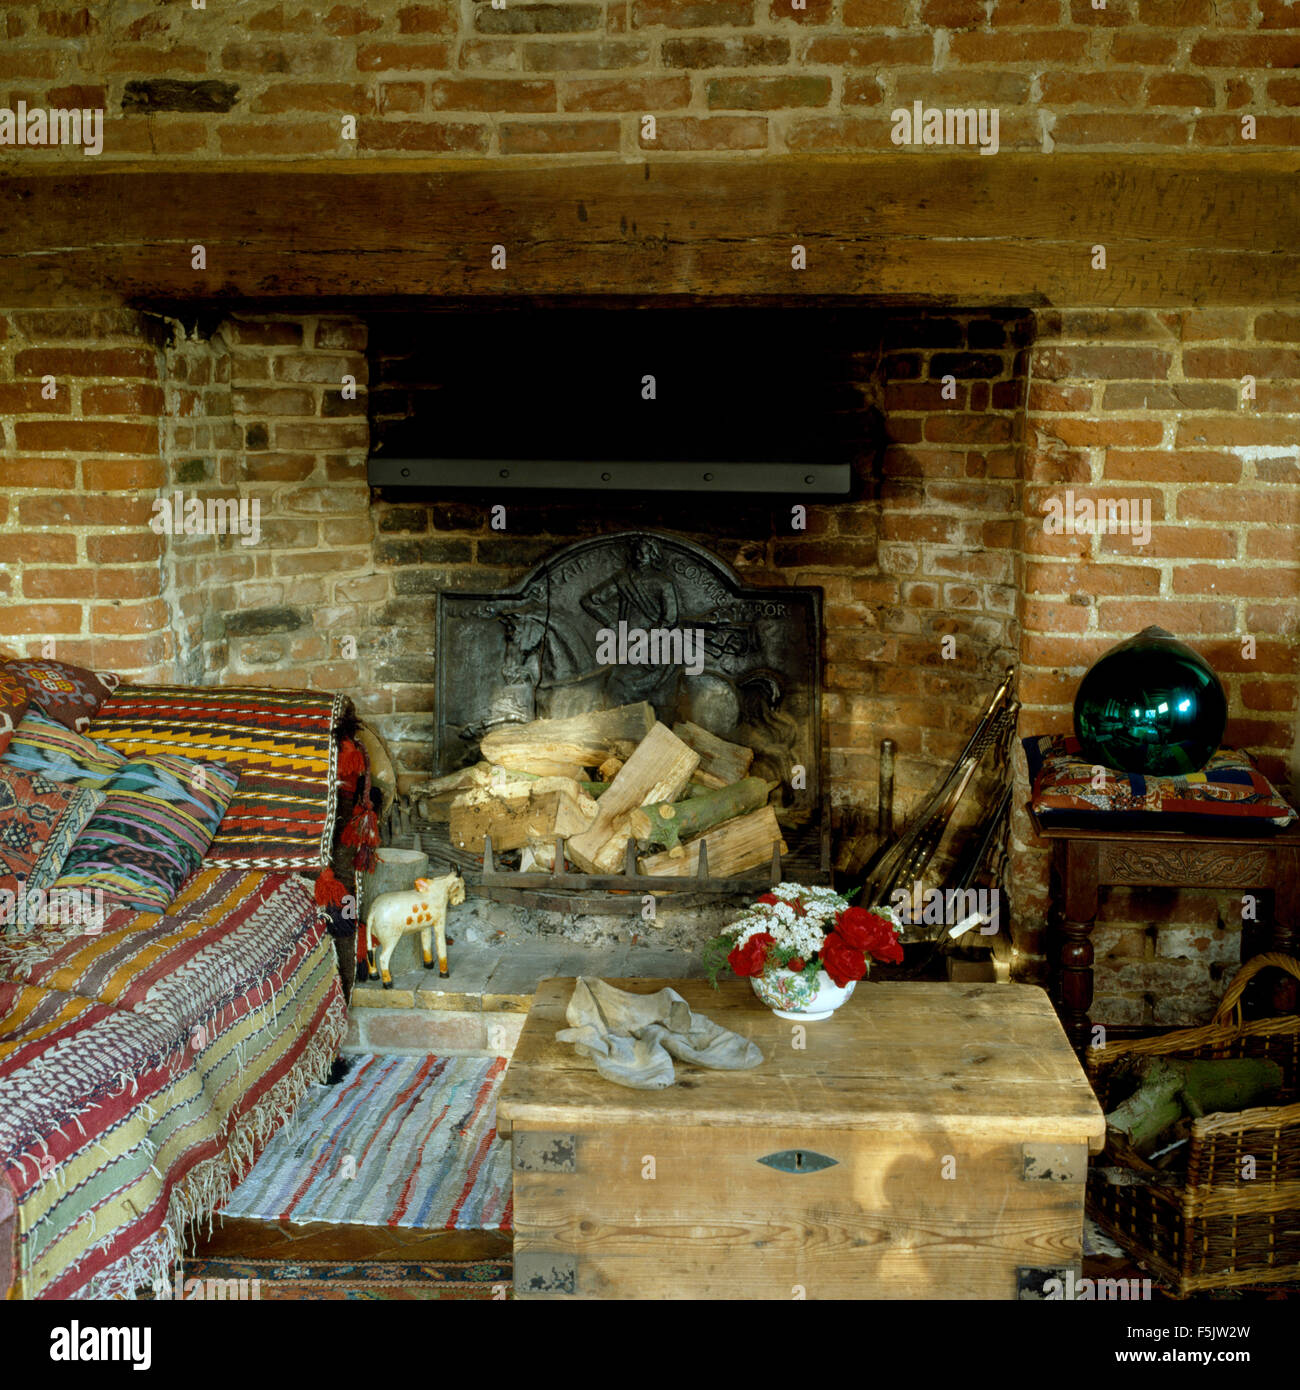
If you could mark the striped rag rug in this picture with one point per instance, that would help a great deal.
(401, 1141)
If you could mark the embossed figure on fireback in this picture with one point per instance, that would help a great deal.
(640, 595)
(772, 734)
(521, 671)
(547, 670)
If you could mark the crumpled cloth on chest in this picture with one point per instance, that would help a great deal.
(633, 1038)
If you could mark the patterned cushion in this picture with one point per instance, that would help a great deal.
(39, 820)
(282, 742)
(14, 699)
(69, 694)
(158, 816)
(1228, 795)
(41, 744)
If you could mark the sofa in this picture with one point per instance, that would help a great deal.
(169, 981)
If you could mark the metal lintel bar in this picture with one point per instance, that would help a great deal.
(808, 479)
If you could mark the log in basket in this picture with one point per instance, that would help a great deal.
(1227, 1223)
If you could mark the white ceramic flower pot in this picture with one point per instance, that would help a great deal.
(792, 996)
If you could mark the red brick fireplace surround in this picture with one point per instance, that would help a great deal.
(1114, 299)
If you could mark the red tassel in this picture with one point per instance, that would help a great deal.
(330, 892)
(364, 859)
(362, 831)
(352, 763)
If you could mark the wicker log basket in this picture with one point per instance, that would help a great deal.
(1212, 1227)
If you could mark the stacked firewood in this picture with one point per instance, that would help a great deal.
(602, 781)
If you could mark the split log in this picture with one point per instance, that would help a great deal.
(534, 858)
(563, 747)
(721, 763)
(433, 799)
(519, 813)
(735, 846)
(706, 782)
(658, 771)
(464, 777)
(488, 786)
(509, 775)
(1168, 1090)
(610, 768)
(668, 823)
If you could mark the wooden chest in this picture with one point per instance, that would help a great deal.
(928, 1141)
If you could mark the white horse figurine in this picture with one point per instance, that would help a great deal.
(392, 915)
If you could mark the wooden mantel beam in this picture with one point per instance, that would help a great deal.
(1015, 229)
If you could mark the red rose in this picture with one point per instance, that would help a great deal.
(891, 951)
(869, 932)
(796, 964)
(750, 958)
(853, 924)
(841, 961)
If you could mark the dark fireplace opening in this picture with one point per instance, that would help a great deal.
(740, 401)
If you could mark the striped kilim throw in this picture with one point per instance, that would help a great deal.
(283, 743)
(142, 1069)
(402, 1141)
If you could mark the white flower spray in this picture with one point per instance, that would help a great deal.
(796, 935)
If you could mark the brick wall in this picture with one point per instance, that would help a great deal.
(144, 407)
(198, 429)
(82, 456)
(950, 498)
(246, 79)
(1152, 406)
(301, 446)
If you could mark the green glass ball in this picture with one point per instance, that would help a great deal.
(1150, 705)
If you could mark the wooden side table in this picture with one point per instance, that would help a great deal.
(1088, 860)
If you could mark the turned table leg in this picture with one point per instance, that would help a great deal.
(1285, 935)
(1079, 897)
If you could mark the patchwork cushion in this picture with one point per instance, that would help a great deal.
(281, 741)
(68, 694)
(39, 820)
(41, 744)
(157, 818)
(1228, 796)
(14, 699)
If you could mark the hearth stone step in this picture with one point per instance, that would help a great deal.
(480, 1008)
(503, 978)
(484, 923)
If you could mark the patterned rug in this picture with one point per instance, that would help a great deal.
(401, 1141)
(352, 1281)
